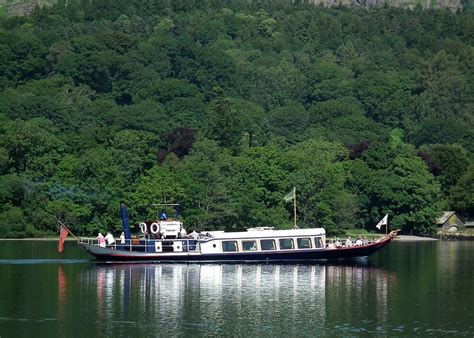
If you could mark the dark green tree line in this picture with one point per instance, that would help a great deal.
(224, 107)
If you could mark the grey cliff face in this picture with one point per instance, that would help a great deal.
(453, 5)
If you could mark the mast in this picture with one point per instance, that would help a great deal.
(294, 207)
(292, 196)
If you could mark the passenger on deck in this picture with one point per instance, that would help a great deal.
(109, 239)
(194, 235)
(359, 241)
(122, 238)
(101, 239)
(365, 241)
(183, 233)
(348, 242)
(331, 245)
(145, 234)
(163, 216)
(338, 243)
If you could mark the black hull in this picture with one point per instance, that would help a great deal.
(106, 254)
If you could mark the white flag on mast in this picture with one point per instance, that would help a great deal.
(383, 221)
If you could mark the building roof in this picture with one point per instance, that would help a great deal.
(445, 216)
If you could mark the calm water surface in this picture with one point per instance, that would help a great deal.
(409, 288)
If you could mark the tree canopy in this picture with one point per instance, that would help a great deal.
(224, 107)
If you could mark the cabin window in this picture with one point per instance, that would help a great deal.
(267, 244)
(229, 246)
(249, 245)
(304, 243)
(318, 242)
(286, 244)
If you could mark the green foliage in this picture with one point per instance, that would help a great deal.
(447, 90)
(204, 177)
(289, 122)
(32, 147)
(225, 109)
(225, 125)
(385, 96)
(462, 195)
(448, 163)
(400, 186)
(259, 177)
(319, 176)
(154, 187)
(13, 223)
(343, 120)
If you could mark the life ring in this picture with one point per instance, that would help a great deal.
(143, 227)
(154, 228)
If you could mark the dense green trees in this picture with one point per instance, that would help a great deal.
(224, 107)
(462, 196)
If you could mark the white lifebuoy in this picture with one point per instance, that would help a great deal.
(154, 228)
(143, 227)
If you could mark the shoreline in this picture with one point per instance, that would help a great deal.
(409, 238)
(455, 237)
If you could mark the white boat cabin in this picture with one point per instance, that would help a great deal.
(262, 239)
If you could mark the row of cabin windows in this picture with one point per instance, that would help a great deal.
(270, 244)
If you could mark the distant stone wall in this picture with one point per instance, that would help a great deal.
(457, 236)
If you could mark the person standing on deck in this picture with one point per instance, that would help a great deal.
(101, 239)
(110, 239)
(349, 242)
(194, 235)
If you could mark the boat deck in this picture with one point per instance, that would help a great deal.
(230, 249)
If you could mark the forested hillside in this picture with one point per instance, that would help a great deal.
(224, 107)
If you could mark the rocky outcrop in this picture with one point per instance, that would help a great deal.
(453, 5)
(21, 7)
(24, 7)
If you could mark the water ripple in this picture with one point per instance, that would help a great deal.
(42, 261)
(27, 319)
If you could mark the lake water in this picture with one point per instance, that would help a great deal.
(409, 288)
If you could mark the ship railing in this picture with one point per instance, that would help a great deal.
(147, 245)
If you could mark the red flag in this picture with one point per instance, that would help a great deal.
(62, 237)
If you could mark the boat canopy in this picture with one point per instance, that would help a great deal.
(266, 233)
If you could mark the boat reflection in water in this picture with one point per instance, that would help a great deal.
(230, 298)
